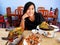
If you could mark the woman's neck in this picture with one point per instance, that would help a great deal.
(32, 18)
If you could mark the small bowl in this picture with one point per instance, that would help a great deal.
(34, 31)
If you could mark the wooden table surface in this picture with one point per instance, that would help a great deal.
(45, 40)
(3, 33)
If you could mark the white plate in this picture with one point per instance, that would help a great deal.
(56, 28)
(58, 39)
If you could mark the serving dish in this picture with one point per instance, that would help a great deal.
(49, 32)
(32, 39)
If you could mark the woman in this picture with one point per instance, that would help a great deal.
(30, 18)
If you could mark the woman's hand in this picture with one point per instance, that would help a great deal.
(24, 16)
(22, 24)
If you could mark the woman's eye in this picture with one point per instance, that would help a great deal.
(32, 8)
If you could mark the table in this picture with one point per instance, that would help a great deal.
(45, 40)
(3, 33)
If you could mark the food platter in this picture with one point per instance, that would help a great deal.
(32, 39)
(48, 32)
(15, 41)
(45, 26)
(25, 43)
(15, 36)
(46, 29)
(51, 27)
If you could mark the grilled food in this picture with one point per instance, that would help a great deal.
(33, 39)
(15, 33)
(44, 25)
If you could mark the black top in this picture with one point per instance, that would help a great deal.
(32, 25)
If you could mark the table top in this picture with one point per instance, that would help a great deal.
(45, 40)
(3, 33)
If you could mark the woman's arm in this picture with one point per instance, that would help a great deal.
(22, 24)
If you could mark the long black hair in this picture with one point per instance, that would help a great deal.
(27, 6)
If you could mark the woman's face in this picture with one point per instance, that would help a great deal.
(30, 11)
